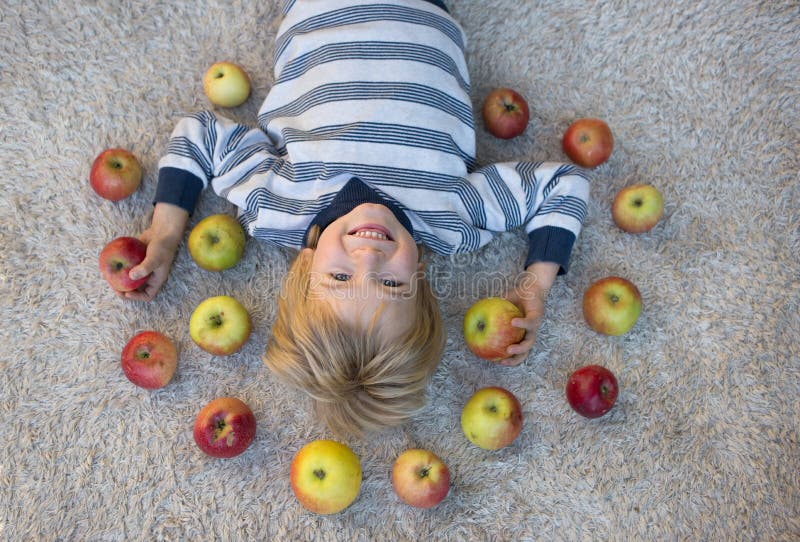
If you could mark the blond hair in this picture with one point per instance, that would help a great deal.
(357, 381)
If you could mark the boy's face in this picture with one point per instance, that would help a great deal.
(366, 262)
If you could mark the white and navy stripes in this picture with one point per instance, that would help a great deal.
(377, 90)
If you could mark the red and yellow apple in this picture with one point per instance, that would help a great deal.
(592, 390)
(637, 208)
(115, 174)
(420, 478)
(325, 476)
(220, 325)
(492, 418)
(225, 427)
(612, 305)
(487, 328)
(505, 113)
(117, 258)
(149, 360)
(226, 84)
(588, 142)
(217, 242)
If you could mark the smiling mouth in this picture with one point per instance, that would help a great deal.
(371, 231)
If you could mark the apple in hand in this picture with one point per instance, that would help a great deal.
(226, 84)
(420, 478)
(592, 391)
(487, 328)
(120, 256)
(225, 427)
(612, 305)
(217, 242)
(220, 325)
(588, 142)
(115, 174)
(492, 418)
(637, 208)
(149, 360)
(325, 476)
(505, 113)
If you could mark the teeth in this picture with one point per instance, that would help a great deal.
(370, 235)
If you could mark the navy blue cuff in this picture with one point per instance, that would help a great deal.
(178, 187)
(550, 244)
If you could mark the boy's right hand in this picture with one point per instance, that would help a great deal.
(162, 239)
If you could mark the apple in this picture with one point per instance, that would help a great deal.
(487, 327)
(592, 391)
(217, 242)
(420, 478)
(588, 142)
(149, 360)
(612, 305)
(637, 208)
(492, 418)
(220, 325)
(325, 476)
(115, 174)
(117, 258)
(226, 84)
(225, 427)
(505, 113)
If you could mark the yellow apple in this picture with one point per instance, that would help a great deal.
(612, 305)
(487, 328)
(226, 84)
(217, 242)
(220, 325)
(325, 476)
(492, 418)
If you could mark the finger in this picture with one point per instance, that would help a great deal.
(145, 268)
(521, 348)
(524, 323)
(512, 361)
(138, 295)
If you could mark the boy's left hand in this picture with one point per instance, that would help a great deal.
(529, 295)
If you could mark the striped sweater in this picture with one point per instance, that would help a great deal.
(376, 90)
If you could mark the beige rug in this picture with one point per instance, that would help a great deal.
(703, 443)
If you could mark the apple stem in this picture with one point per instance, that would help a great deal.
(424, 472)
(216, 320)
(319, 473)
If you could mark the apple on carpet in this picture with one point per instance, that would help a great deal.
(487, 328)
(612, 305)
(637, 208)
(592, 391)
(115, 174)
(226, 84)
(505, 113)
(217, 242)
(492, 418)
(220, 325)
(325, 476)
(588, 142)
(150, 359)
(116, 260)
(225, 427)
(420, 478)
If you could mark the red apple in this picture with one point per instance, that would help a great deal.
(149, 360)
(592, 391)
(588, 142)
(492, 418)
(637, 208)
(120, 256)
(612, 305)
(487, 328)
(505, 113)
(225, 427)
(115, 174)
(420, 478)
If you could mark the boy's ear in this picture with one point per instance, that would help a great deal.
(421, 267)
(306, 253)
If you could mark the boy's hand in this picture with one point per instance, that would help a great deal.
(529, 295)
(162, 239)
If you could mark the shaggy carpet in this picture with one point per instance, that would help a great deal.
(703, 441)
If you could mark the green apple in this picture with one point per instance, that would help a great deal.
(220, 325)
(492, 418)
(226, 84)
(325, 476)
(637, 208)
(612, 305)
(487, 328)
(217, 242)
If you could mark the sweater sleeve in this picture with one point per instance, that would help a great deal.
(204, 147)
(548, 199)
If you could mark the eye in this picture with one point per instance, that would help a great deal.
(390, 283)
(341, 277)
